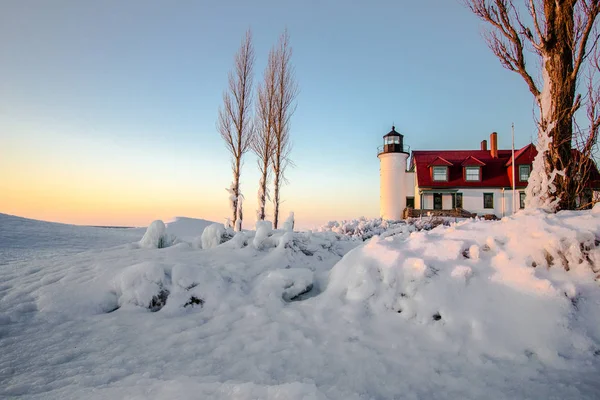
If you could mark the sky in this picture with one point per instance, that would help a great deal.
(108, 109)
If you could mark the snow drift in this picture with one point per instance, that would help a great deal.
(500, 310)
(524, 286)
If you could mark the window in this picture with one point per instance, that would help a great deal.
(472, 173)
(392, 140)
(524, 171)
(440, 173)
(458, 200)
(521, 200)
(437, 201)
(410, 202)
(488, 200)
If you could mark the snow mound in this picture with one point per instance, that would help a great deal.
(263, 231)
(213, 235)
(514, 287)
(156, 236)
(288, 225)
(142, 285)
(187, 228)
(286, 284)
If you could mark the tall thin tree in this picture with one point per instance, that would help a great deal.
(286, 93)
(235, 119)
(560, 34)
(263, 143)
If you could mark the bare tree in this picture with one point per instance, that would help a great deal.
(263, 143)
(235, 119)
(286, 92)
(560, 34)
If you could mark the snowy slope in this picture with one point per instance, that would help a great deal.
(187, 228)
(22, 238)
(456, 312)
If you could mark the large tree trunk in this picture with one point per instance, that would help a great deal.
(557, 99)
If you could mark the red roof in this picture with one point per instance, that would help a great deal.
(440, 161)
(494, 172)
(529, 152)
(472, 162)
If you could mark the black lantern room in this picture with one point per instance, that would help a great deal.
(393, 142)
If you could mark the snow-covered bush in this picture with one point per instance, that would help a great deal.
(143, 285)
(215, 234)
(286, 284)
(263, 231)
(363, 229)
(288, 225)
(156, 236)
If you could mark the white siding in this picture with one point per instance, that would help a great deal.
(503, 201)
(409, 184)
(447, 201)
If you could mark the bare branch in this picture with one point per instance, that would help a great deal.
(588, 14)
(505, 40)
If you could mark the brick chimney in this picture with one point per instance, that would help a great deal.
(494, 145)
(484, 145)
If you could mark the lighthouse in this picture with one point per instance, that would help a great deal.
(393, 156)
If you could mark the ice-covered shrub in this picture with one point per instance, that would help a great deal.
(288, 225)
(215, 234)
(263, 231)
(363, 229)
(144, 285)
(156, 236)
(287, 284)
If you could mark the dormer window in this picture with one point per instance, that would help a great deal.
(473, 174)
(472, 169)
(524, 171)
(440, 173)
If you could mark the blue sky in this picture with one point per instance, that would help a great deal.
(108, 109)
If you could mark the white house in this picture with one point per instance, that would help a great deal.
(478, 181)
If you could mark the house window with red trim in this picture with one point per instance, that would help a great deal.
(472, 174)
(440, 173)
(524, 171)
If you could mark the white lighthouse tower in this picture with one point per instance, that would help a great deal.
(393, 156)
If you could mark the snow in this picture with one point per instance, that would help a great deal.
(288, 225)
(156, 236)
(212, 235)
(541, 187)
(263, 231)
(473, 309)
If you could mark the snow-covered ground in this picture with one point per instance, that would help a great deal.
(467, 311)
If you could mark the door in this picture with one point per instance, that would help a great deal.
(437, 201)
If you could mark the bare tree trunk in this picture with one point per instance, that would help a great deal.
(264, 140)
(234, 124)
(286, 92)
(558, 34)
